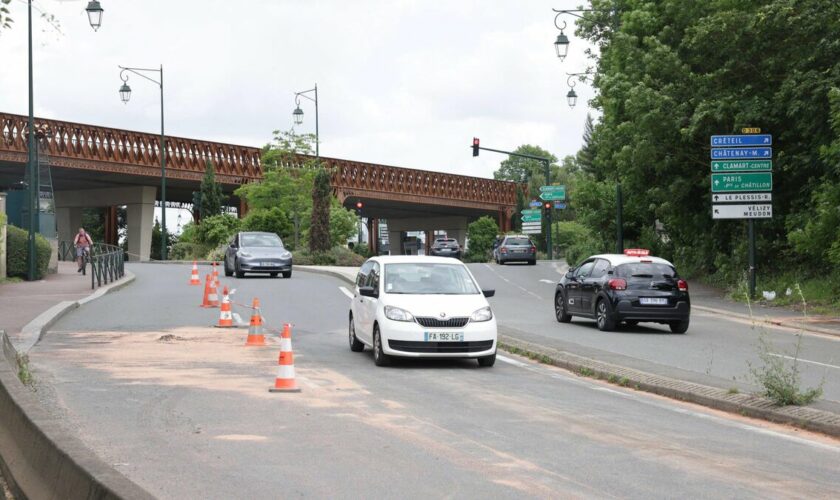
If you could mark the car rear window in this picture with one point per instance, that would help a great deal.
(645, 270)
(517, 241)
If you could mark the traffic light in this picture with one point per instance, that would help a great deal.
(547, 205)
(359, 206)
(475, 146)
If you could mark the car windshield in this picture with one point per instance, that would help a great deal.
(518, 241)
(645, 270)
(260, 240)
(428, 279)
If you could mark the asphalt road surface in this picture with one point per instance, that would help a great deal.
(183, 409)
(714, 346)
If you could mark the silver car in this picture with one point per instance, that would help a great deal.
(257, 252)
(515, 248)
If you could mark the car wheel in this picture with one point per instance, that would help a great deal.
(487, 361)
(379, 356)
(273, 275)
(355, 344)
(239, 274)
(287, 274)
(228, 272)
(679, 326)
(500, 262)
(603, 316)
(560, 309)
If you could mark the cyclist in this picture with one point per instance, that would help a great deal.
(82, 242)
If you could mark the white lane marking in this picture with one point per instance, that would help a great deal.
(647, 399)
(512, 283)
(547, 281)
(510, 361)
(346, 292)
(805, 360)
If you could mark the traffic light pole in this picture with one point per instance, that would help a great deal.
(547, 163)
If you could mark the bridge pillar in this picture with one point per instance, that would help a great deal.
(68, 220)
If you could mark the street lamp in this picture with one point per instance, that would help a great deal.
(125, 95)
(298, 114)
(571, 96)
(32, 162)
(94, 12)
(561, 45)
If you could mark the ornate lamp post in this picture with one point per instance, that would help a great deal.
(298, 114)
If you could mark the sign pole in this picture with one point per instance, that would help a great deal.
(548, 216)
(751, 236)
(619, 241)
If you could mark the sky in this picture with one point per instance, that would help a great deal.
(400, 82)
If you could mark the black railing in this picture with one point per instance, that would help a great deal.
(107, 262)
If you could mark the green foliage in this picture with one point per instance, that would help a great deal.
(156, 240)
(343, 224)
(336, 256)
(272, 220)
(319, 228)
(362, 250)
(672, 73)
(482, 233)
(575, 241)
(218, 229)
(17, 253)
(212, 197)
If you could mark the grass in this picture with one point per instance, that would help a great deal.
(732, 390)
(821, 294)
(24, 374)
(3, 281)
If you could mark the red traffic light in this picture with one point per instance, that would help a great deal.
(547, 205)
(475, 146)
(359, 205)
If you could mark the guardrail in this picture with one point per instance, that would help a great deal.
(107, 262)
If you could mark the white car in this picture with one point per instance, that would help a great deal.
(417, 307)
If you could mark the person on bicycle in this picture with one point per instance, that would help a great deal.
(82, 242)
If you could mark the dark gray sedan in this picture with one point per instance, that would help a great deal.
(256, 252)
(515, 249)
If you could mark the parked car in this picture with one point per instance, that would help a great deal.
(629, 288)
(515, 248)
(257, 252)
(419, 306)
(446, 247)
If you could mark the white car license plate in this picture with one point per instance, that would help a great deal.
(653, 301)
(444, 336)
(266, 264)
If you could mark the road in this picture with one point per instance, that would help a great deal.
(183, 410)
(717, 349)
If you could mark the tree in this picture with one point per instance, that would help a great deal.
(5, 20)
(156, 237)
(586, 155)
(481, 233)
(319, 228)
(212, 197)
(522, 170)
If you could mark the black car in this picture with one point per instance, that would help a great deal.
(515, 248)
(446, 247)
(630, 288)
(257, 252)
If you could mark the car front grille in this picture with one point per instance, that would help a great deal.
(442, 323)
(440, 347)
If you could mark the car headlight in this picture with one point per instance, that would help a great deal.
(244, 254)
(483, 314)
(397, 314)
(286, 255)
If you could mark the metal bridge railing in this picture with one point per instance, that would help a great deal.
(107, 262)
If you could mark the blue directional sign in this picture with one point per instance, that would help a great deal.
(535, 203)
(735, 141)
(559, 205)
(755, 153)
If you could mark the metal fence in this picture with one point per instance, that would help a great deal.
(107, 262)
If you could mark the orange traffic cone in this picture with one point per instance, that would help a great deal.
(216, 275)
(195, 279)
(285, 380)
(211, 297)
(225, 314)
(255, 331)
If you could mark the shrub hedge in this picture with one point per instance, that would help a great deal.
(17, 261)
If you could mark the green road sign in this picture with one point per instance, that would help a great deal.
(532, 218)
(742, 165)
(552, 196)
(727, 183)
(554, 189)
(532, 211)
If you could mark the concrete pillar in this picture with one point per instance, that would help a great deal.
(140, 219)
(395, 242)
(2, 235)
(68, 220)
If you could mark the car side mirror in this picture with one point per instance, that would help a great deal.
(488, 293)
(570, 274)
(368, 291)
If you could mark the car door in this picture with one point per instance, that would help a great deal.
(573, 287)
(230, 252)
(371, 304)
(358, 306)
(591, 285)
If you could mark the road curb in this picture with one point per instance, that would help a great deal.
(768, 320)
(38, 457)
(743, 404)
(33, 331)
(326, 272)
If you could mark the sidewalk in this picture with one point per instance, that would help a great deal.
(22, 302)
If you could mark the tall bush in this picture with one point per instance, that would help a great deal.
(17, 254)
(482, 233)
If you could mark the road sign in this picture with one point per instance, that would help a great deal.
(536, 230)
(756, 211)
(753, 181)
(532, 211)
(741, 197)
(553, 193)
(741, 140)
(559, 205)
(527, 225)
(535, 203)
(757, 153)
(742, 165)
(532, 218)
